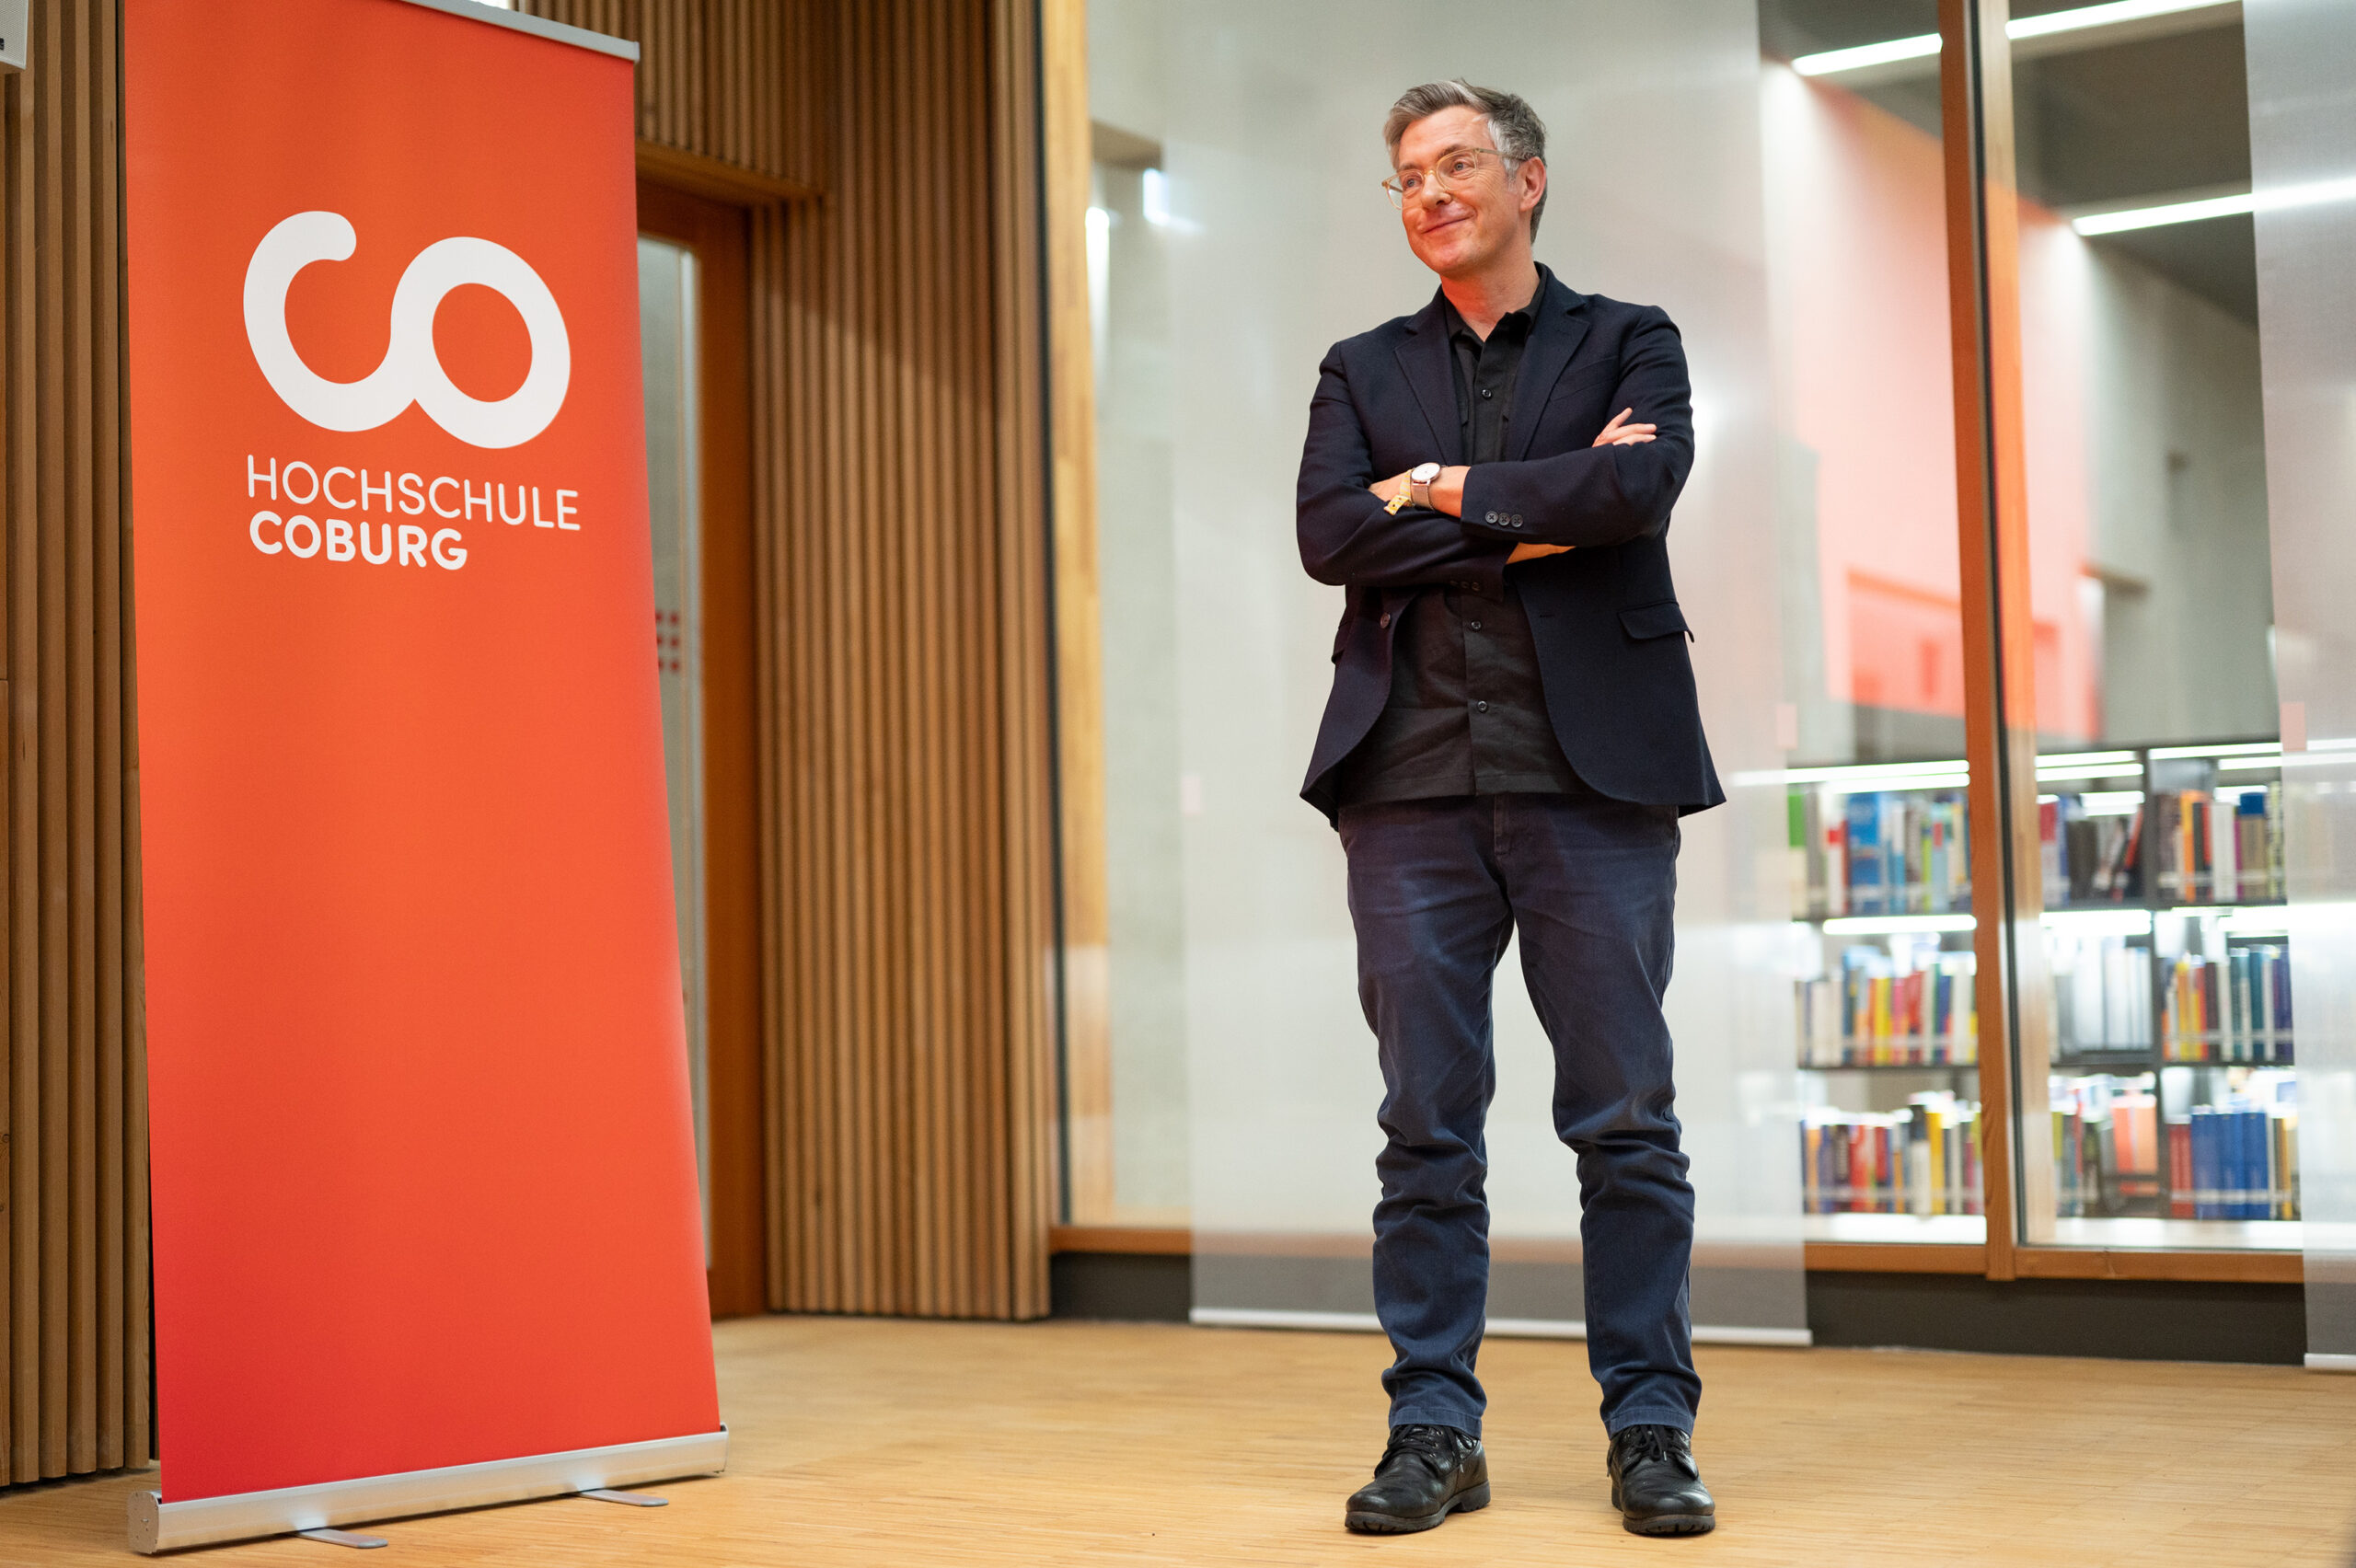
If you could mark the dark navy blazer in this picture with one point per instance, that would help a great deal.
(1609, 635)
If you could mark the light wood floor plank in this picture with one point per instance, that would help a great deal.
(866, 1442)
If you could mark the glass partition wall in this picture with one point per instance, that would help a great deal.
(1882, 971)
(1237, 228)
(2171, 1100)
(1834, 1027)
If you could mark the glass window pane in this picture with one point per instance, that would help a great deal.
(2302, 155)
(1878, 839)
(1240, 229)
(1128, 1144)
(666, 318)
(2170, 1111)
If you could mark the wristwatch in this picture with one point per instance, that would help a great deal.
(1419, 482)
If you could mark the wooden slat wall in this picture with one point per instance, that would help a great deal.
(736, 81)
(73, 1227)
(900, 509)
(896, 406)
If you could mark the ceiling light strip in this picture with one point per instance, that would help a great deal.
(1834, 61)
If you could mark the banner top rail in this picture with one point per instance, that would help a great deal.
(538, 27)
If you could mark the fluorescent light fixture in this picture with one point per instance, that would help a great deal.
(2099, 770)
(2100, 922)
(2109, 803)
(1834, 61)
(1895, 925)
(2101, 16)
(2169, 212)
(2083, 759)
(1871, 770)
(2244, 748)
(1872, 783)
(2285, 198)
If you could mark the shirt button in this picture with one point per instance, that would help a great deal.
(1474, 625)
(1487, 393)
(1480, 708)
(1385, 621)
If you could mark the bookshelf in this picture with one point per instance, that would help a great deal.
(2173, 1095)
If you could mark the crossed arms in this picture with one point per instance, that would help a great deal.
(1621, 488)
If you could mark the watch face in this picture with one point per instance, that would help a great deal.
(1425, 473)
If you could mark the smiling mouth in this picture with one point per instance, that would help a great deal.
(1447, 223)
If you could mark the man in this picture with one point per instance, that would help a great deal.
(1511, 739)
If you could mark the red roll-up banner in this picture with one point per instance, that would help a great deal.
(426, 1225)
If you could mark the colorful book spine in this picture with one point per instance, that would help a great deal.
(1869, 1015)
(2220, 847)
(2235, 1008)
(1922, 1161)
(2180, 1189)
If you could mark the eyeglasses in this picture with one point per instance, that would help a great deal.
(1457, 167)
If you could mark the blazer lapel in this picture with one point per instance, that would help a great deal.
(1555, 340)
(1425, 357)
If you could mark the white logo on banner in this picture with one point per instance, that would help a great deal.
(411, 372)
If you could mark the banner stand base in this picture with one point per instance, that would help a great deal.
(345, 1537)
(635, 1499)
(157, 1526)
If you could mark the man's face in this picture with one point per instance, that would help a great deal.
(1460, 226)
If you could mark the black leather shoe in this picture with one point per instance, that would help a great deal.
(1656, 1484)
(1427, 1473)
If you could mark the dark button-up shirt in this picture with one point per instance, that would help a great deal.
(1467, 714)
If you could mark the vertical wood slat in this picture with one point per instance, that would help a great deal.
(72, 1112)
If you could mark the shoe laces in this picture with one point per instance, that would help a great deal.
(1639, 1444)
(1435, 1445)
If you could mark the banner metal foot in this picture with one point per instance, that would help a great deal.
(345, 1537)
(635, 1499)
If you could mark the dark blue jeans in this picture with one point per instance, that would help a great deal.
(1436, 887)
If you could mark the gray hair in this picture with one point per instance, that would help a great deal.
(1514, 126)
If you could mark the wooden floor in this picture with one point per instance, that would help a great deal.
(868, 1443)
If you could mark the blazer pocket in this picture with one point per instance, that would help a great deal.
(1655, 620)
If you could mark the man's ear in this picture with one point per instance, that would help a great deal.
(1533, 182)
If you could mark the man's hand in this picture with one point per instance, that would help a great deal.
(1619, 434)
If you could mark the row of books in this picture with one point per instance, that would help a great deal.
(2238, 1160)
(1873, 1014)
(2205, 845)
(1922, 1161)
(2220, 847)
(1880, 852)
(2102, 994)
(2088, 858)
(2233, 1008)
(2106, 1146)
